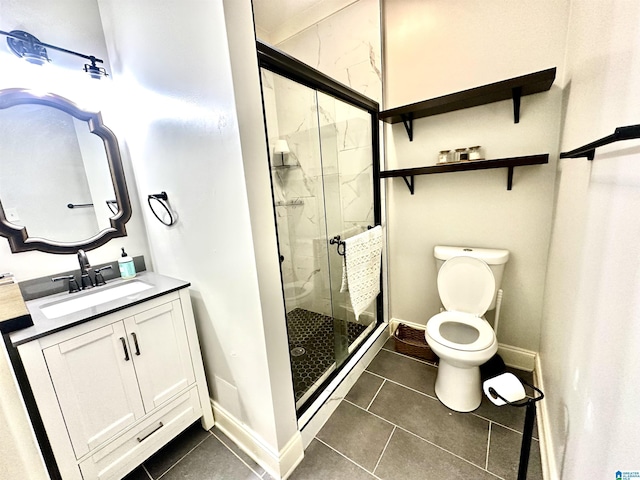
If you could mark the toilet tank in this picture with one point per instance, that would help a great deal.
(494, 257)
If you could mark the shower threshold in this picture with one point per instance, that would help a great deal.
(312, 347)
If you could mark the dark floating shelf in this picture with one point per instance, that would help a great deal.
(408, 174)
(589, 150)
(513, 88)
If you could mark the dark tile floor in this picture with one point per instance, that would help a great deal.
(312, 338)
(389, 426)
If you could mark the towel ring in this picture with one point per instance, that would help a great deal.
(163, 199)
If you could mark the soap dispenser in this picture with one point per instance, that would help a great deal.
(127, 268)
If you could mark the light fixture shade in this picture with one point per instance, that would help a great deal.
(26, 46)
(29, 48)
(281, 147)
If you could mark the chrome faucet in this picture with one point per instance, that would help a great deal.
(85, 267)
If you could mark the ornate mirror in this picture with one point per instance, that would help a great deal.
(62, 184)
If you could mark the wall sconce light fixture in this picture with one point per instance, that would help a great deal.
(282, 148)
(26, 46)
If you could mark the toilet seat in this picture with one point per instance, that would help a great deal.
(465, 332)
(466, 287)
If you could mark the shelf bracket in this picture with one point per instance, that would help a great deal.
(509, 178)
(407, 120)
(591, 154)
(516, 93)
(410, 181)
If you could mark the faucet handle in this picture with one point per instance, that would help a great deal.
(99, 278)
(73, 284)
(86, 282)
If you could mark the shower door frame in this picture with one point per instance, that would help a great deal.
(286, 66)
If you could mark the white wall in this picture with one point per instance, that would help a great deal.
(248, 98)
(173, 70)
(591, 323)
(72, 24)
(439, 47)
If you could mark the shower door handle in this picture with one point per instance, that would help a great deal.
(281, 258)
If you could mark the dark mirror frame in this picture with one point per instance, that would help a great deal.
(18, 237)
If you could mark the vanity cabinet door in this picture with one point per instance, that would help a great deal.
(161, 354)
(96, 386)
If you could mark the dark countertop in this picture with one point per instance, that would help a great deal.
(42, 326)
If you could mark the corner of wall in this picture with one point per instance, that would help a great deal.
(278, 463)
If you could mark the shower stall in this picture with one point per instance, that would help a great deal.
(324, 164)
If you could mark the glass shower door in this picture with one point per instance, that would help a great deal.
(322, 182)
(347, 174)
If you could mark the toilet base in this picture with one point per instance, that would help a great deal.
(458, 388)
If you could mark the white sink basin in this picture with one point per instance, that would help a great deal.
(94, 297)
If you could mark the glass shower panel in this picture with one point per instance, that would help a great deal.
(322, 181)
(345, 142)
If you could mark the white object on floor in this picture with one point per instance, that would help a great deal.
(361, 268)
(507, 385)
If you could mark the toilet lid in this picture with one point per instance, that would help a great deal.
(466, 284)
(460, 331)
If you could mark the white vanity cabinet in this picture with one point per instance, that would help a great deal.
(113, 390)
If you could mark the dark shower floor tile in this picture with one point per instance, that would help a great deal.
(312, 345)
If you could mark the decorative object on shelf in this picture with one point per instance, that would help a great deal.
(475, 153)
(163, 199)
(27, 46)
(513, 88)
(282, 149)
(444, 156)
(629, 132)
(408, 174)
(461, 155)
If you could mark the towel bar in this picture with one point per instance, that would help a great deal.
(340, 243)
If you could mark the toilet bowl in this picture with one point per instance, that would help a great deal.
(297, 292)
(460, 335)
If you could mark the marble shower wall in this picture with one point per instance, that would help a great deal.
(328, 189)
(345, 46)
(324, 189)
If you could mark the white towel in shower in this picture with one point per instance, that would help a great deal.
(361, 268)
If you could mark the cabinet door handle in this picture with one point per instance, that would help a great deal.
(135, 342)
(160, 425)
(124, 347)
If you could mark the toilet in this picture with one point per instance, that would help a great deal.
(468, 282)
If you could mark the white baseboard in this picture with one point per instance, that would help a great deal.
(278, 464)
(517, 357)
(549, 466)
(512, 356)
